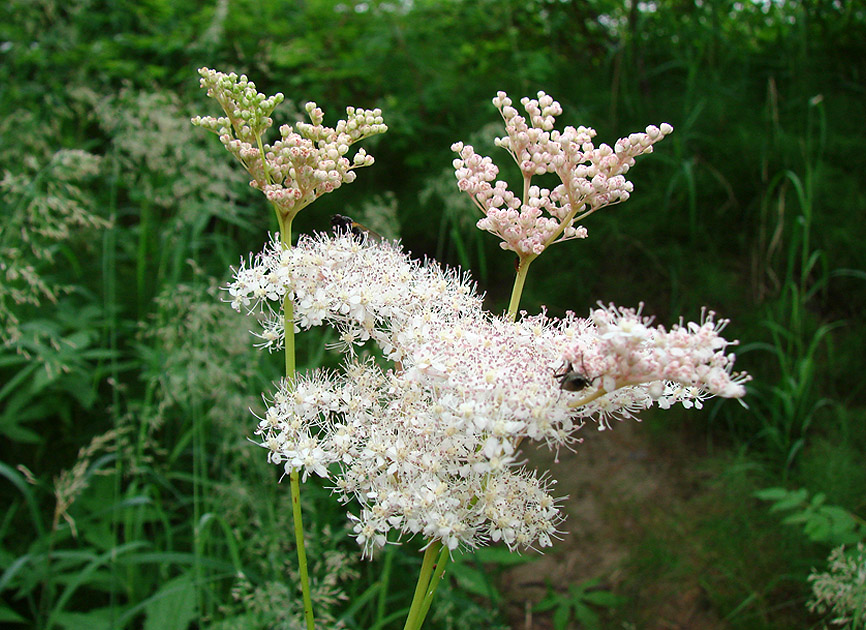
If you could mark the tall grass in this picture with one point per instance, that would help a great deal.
(788, 407)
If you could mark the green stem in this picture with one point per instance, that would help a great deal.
(434, 582)
(294, 481)
(288, 306)
(519, 281)
(302, 552)
(427, 566)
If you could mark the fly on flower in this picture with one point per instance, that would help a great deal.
(571, 380)
(342, 224)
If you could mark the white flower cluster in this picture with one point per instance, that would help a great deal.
(406, 458)
(305, 163)
(686, 364)
(842, 590)
(591, 177)
(365, 289)
(430, 447)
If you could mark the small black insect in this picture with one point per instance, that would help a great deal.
(571, 380)
(342, 224)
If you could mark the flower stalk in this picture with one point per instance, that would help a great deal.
(294, 478)
(432, 570)
(523, 263)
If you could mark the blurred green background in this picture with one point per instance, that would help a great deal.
(131, 495)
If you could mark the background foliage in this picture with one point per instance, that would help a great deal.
(133, 498)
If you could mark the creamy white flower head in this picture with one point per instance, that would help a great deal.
(396, 447)
(430, 447)
(365, 289)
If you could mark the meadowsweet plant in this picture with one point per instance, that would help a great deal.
(427, 446)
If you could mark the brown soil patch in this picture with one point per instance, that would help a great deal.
(617, 483)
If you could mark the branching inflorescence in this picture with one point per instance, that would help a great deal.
(305, 162)
(590, 177)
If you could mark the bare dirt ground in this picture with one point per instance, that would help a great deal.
(616, 481)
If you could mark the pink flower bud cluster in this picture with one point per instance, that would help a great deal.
(591, 177)
(306, 162)
(430, 446)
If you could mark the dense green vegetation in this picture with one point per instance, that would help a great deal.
(131, 495)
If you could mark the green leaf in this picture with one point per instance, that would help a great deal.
(471, 579)
(771, 494)
(7, 615)
(603, 598)
(96, 619)
(548, 603)
(586, 616)
(817, 529)
(561, 617)
(818, 500)
(794, 499)
(500, 556)
(173, 606)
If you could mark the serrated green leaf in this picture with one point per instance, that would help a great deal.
(561, 617)
(173, 606)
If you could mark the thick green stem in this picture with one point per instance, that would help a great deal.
(288, 308)
(294, 481)
(519, 281)
(413, 619)
(302, 552)
(434, 582)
